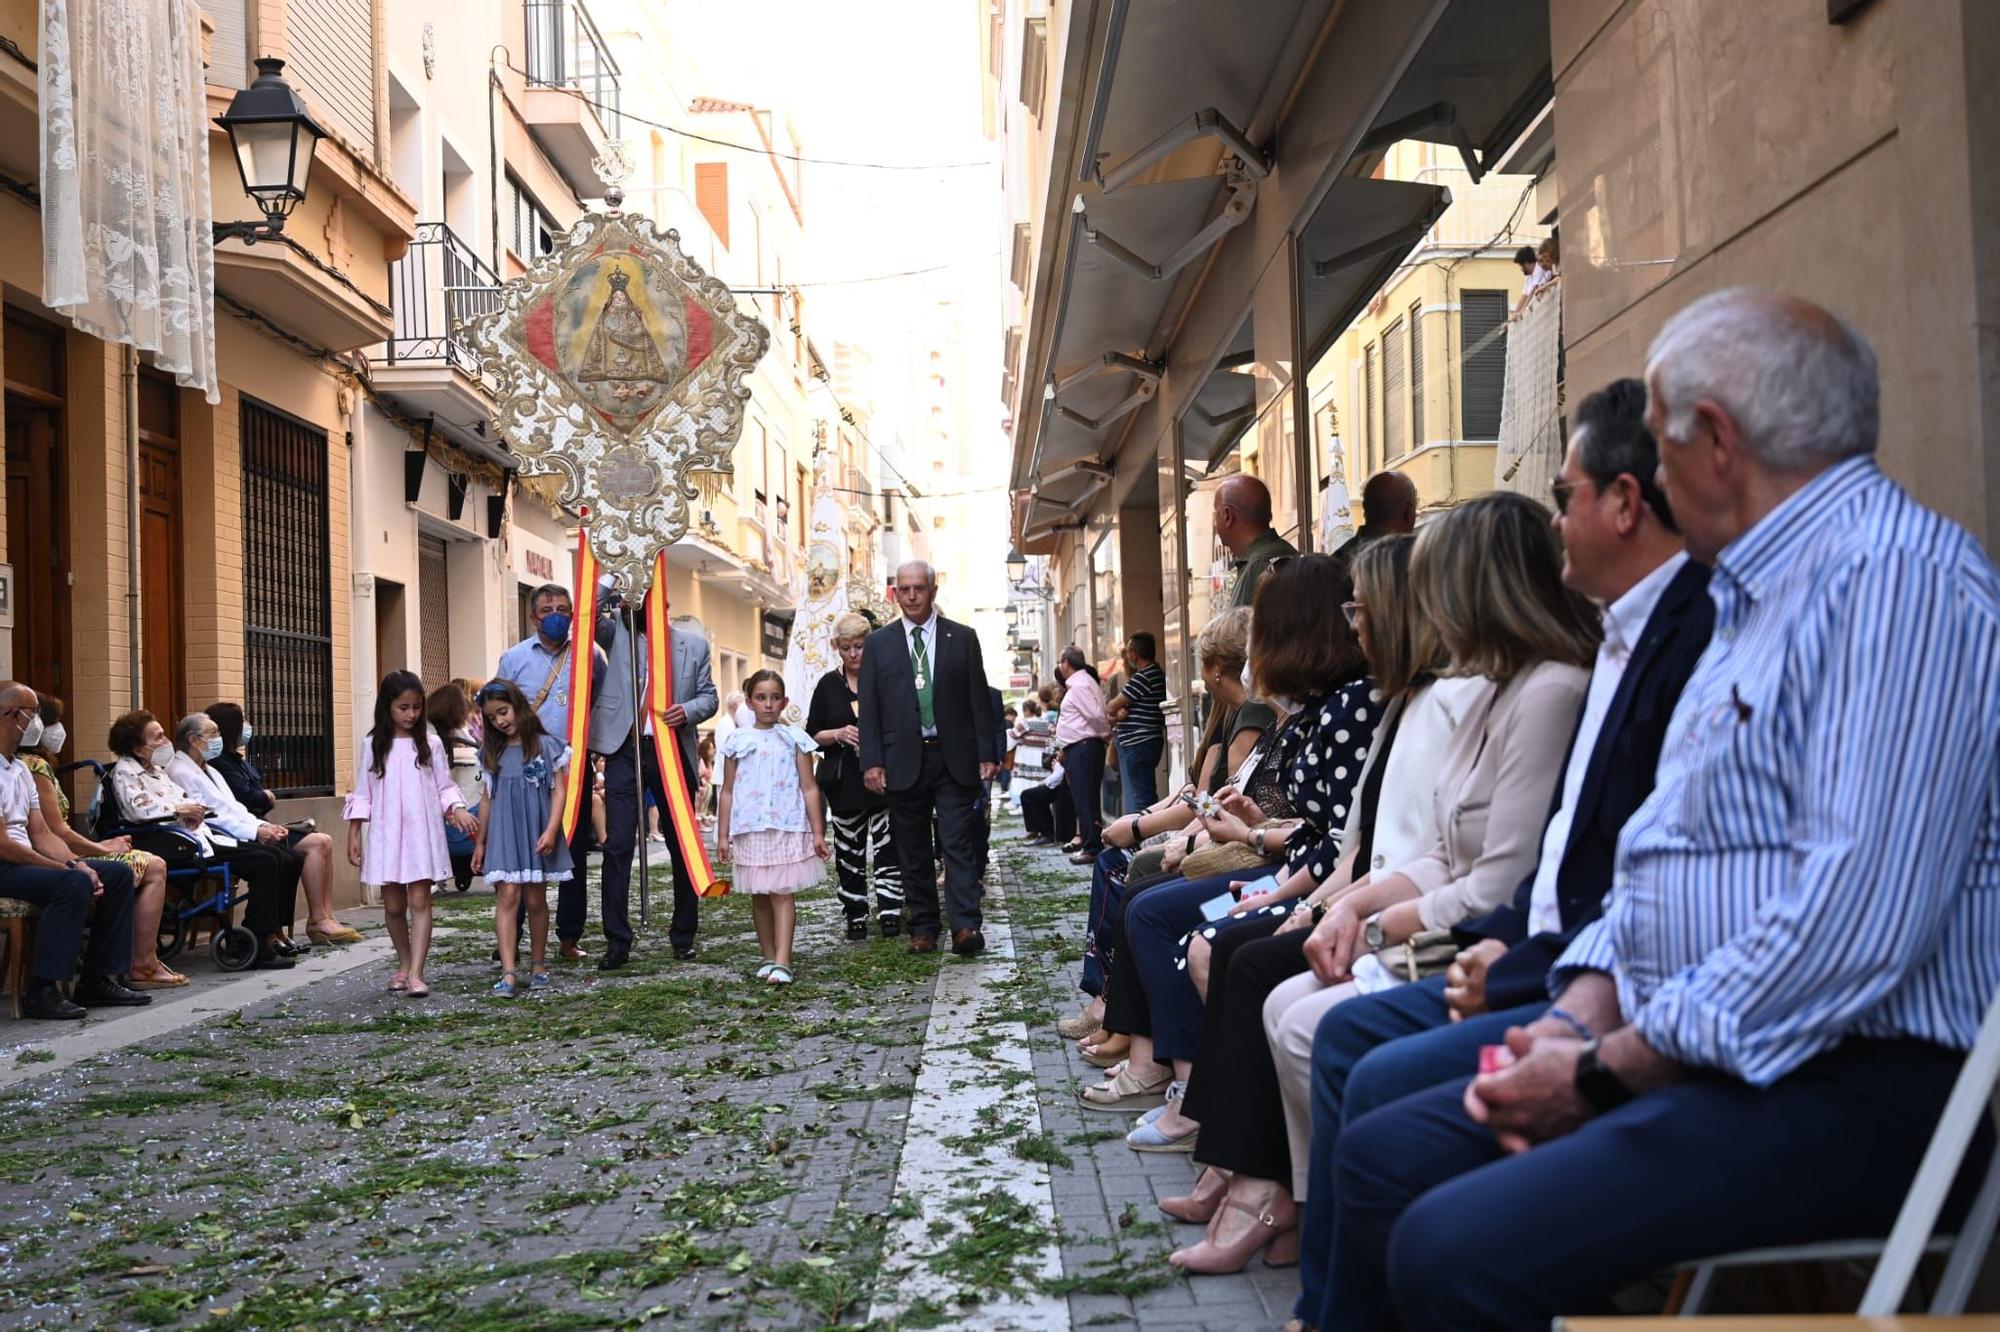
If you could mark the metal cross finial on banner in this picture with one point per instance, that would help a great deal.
(614, 166)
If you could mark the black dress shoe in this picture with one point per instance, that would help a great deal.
(266, 960)
(44, 1000)
(923, 943)
(614, 958)
(109, 992)
(857, 930)
(684, 952)
(968, 943)
(891, 927)
(1084, 858)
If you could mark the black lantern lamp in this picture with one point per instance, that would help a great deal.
(1017, 566)
(274, 138)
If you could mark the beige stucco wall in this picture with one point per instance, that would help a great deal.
(1704, 143)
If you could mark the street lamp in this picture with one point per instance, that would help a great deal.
(273, 137)
(1017, 566)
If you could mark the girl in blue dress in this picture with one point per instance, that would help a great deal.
(771, 819)
(520, 848)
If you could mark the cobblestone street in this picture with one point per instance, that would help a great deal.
(671, 1145)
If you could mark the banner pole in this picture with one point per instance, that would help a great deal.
(639, 712)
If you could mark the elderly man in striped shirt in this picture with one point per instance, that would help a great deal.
(1753, 1044)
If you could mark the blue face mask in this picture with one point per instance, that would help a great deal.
(555, 627)
(249, 733)
(213, 749)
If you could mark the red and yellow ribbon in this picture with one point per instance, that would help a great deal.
(582, 657)
(673, 778)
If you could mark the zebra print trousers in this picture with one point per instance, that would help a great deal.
(859, 838)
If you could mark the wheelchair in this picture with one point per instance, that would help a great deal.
(231, 946)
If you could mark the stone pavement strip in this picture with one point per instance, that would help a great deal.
(673, 1144)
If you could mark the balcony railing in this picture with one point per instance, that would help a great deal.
(565, 50)
(435, 288)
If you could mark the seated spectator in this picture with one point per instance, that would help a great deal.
(149, 871)
(1149, 846)
(36, 867)
(146, 794)
(1306, 663)
(314, 849)
(1754, 1042)
(1047, 816)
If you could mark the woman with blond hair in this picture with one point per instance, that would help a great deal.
(859, 818)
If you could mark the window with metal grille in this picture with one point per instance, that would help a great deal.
(1368, 435)
(1417, 376)
(1393, 400)
(287, 600)
(1482, 362)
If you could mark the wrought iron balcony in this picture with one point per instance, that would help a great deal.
(565, 50)
(437, 287)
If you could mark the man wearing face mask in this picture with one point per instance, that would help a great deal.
(36, 867)
(540, 665)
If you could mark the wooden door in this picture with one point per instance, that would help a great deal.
(162, 633)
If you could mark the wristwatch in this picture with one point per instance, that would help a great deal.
(1596, 1083)
(1371, 933)
(1257, 838)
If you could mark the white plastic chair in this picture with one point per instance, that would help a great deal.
(1977, 1091)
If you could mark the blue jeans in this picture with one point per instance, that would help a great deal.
(1138, 769)
(1107, 899)
(1441, 1229)
(1367, 1052)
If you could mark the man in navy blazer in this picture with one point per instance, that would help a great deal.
(1621, 548)
(927, 730)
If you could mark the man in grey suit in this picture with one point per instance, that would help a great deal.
(623, 736)
(926, 740)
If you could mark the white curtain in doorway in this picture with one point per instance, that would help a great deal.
(127, 245)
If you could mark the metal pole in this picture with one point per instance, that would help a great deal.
(639, 765)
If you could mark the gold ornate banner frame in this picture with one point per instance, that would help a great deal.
(619, 366)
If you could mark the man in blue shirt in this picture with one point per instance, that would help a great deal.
(1752, 1045)
(540, 665)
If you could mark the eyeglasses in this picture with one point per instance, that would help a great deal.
(1352, 610)
(1563, 491)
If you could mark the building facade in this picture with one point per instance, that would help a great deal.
(1208, 204)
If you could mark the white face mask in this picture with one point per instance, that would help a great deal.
(1246, 677)
(55, 737)
(162, 754)
(32, 736)
(1282, 705)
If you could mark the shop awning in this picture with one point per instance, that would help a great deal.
(1353, 243)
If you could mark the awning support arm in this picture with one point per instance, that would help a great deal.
(1436, 116)
(1242, 193)
(1207, 123)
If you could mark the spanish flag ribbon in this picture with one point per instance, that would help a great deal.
(582, 658)
(673, 778)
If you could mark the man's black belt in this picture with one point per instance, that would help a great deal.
(933, 742)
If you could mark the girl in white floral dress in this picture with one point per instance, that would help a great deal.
(771, 822)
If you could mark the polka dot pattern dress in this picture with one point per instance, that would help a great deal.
(1322, 778)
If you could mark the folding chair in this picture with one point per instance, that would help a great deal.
(1976, 1092)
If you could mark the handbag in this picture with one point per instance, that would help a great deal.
(1205, 862)
(1425, 953)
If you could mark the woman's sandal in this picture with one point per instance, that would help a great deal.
(504, 987)
(161, 977)
(1107, 1052)
(1075, 1028)
(538, 979)
(399, 982)
(779, 974)
(1199, 1207)
(1277, 1226)
(764, 972)
(1127, 1091)
(417, 990)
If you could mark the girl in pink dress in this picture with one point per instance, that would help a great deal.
(772, 819)
(403, 789)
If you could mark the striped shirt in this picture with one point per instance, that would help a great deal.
(1143, 694)
(1820, 857)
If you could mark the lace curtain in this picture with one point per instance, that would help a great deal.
(127, 245)
(1531, 442)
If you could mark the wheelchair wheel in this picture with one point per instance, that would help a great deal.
(233, 949)
(173, 934)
